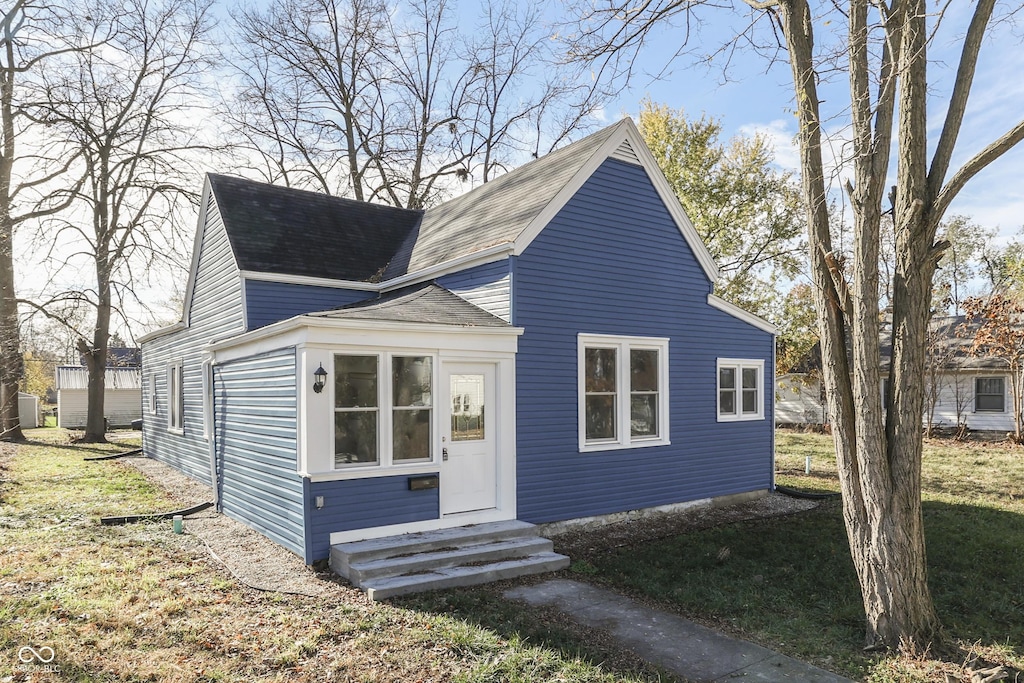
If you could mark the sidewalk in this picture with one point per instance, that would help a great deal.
(688, 650)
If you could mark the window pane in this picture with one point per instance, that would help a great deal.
(412, 434)
(411, 380)
(643, 370)
(468, 407)
(749, 378)
(749, 401)
(600, 417)
(988, 403)
(643, 415)
(600, 369)
(727, 402)
(727, 378)
(355, 437)
(989, 385)
(355, 381)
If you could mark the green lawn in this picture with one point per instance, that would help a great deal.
(789, 582)
(138, 603)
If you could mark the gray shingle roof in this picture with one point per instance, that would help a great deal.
(283, 230)
(495, 213)
(422, 304)
(77, 377)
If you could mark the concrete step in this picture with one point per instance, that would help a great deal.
(454, 577)
(359, 572)
(344, 555)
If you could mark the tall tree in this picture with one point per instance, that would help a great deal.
(30, 37)
(125, 109)
(393, 101)
(961, 263)
(746, 211)
(883, 48)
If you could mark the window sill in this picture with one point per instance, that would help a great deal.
(177, 431)
(617, 446)
(370, 471)
(740, 418)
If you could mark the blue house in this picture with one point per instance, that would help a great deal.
(545, 347)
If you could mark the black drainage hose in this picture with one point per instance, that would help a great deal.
(134, 451)
(128, 519)
(807, 495)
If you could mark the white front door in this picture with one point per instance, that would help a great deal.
(469, 453)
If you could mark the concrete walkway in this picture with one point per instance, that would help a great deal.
(686, 649)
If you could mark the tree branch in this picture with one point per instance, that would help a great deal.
(974, 166)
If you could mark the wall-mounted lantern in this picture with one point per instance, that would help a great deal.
(320, 376)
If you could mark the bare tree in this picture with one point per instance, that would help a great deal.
(883, 48)
(393, 101)
(29, 38)
(125, 109)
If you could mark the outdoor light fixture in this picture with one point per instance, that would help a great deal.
(321, 379)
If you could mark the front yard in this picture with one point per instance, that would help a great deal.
(138, 603)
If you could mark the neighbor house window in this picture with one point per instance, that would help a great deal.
(989, 395)
(740, 389)
(175, 402)
(623, 391)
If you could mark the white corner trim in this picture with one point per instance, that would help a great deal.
(741, 314)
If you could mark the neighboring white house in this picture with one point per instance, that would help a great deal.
(122, 401)
(960, 388)
(28, 410)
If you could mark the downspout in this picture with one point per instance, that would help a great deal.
(774, 351)
(210, 426)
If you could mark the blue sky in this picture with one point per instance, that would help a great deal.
(758, 98)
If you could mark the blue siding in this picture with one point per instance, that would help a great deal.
(613, 262)
(269, 302)
(256, 446)
(360, 504)
(487, 286)
(215, 313)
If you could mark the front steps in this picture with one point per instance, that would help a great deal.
(447, 558)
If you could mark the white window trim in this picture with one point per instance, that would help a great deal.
(623, 345)
(207, 399)
(176, 404)
(1006, 400)
(740, 364)
(385, 412)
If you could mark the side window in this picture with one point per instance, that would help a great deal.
(740, 389)
(175, 402)
(151, 393)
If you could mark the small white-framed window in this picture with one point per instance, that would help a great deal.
(175, 398)
(622, 391)
(989, 394)
(412, 408)
(356, 410)
(740, 389)
(151, 393)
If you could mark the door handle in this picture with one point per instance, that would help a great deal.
(444, 454)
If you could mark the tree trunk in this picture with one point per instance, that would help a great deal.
(878, 459)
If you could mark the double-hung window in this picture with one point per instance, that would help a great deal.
(989, 395)
(740, 389)
(623, 392)
(401, 433)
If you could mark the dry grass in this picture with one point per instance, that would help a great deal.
(138, 603)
